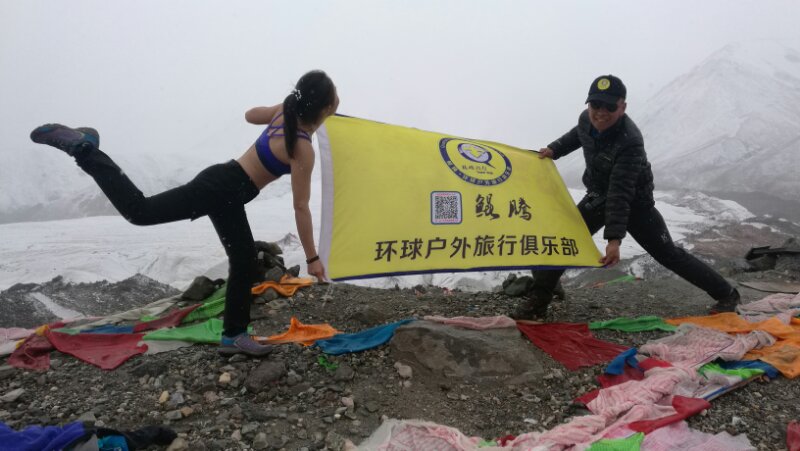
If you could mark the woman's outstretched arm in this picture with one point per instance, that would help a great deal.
(302, 166)
(261, 114)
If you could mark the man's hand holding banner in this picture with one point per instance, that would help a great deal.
(397, 200)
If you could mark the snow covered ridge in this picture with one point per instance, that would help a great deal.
(108, 248)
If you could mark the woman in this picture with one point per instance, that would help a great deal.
(221, 191)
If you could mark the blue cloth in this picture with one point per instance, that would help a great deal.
(769, 370)
(361, 341)
(617, 366)
(113, 443)
(38, 438)
(109, 329)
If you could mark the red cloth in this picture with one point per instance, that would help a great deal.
(32, 354)
(171, 320)
(571, 344)
(793, 436)
(106, 351)
(685, 408)
(586, 398)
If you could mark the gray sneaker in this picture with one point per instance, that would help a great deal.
(70, 140)
(243, 344)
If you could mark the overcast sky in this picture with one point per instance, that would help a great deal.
(178, 75)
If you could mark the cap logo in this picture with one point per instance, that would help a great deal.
(603, 84)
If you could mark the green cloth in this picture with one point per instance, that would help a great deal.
(206, 332)
(330, 366)
(639, 324)
(486, 443)
(626, 278)
(632, 443)
(744, 373)
(212, 307)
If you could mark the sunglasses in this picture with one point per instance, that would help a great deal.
(597, 104)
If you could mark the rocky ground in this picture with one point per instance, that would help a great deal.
(298, 398)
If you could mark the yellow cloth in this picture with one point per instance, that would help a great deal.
(400, 200)
(288, 286)
(305, 334)
(783, 355)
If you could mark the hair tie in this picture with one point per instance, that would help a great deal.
(297, 94)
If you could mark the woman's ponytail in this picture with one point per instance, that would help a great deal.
(306, 103)
(290, 121)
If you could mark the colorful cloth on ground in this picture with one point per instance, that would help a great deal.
(360, 341)
(640, 324)
(684, 408)
(106, 351)
(159, 346)
(288, 285)
(692, 346)
(38, 438)
(784, 354)
(632, 443)
(480, 323)
(623, 360)
(659, 383)
(768, 369)
(107, 329)
(741, 372)
(784, 306)
(14, 333)
(32, 354)
(305, 334)
(170, 320)
(206, 332)
(571, 344)
(152, 309)
(793, 436)
(679, 437)
(211, 307)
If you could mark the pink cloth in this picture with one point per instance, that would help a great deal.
(793, 436)
(33, 354)
(782, 305)
(692, 346)
(660, 382)
(14, 334)
(467, 322)
(684, 408)
(679, 437)
(418, 435)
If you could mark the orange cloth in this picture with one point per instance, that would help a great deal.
(286, 287)
(783, 355)
(305, 334)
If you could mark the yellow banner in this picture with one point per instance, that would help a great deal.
(397, 200)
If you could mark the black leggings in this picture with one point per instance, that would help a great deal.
(219, 191)
(647, 227)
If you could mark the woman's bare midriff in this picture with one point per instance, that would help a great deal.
(255, 169)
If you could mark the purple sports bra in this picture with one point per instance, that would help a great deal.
(272, 164)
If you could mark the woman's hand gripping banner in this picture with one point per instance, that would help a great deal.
(397, 200)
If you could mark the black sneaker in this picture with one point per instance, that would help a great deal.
(726, 304)
(70, 140)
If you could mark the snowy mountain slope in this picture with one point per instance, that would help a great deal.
(108, 248)
(730, 124)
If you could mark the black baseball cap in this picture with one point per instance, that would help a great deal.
(607, 88)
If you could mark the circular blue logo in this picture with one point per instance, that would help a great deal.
(475, 163)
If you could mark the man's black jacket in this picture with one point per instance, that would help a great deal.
(616, 168)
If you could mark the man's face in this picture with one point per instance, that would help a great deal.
(600, 116)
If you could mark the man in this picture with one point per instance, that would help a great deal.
(619, 197)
